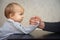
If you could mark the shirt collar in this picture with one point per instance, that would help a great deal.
(10, 20)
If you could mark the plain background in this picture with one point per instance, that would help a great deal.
(48, 10)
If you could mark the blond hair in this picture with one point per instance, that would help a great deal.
(9, 9)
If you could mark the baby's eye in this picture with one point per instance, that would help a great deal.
(21, 14)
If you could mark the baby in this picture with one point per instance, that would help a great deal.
(14, 14)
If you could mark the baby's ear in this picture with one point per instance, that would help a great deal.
(11, 15)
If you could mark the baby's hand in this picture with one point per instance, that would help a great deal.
(35, 20)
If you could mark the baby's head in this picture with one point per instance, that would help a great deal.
(14, 11)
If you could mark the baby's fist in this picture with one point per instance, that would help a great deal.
(35, 20)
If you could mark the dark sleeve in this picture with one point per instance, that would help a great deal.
(52, 26)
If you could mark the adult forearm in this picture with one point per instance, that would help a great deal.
(52, 26)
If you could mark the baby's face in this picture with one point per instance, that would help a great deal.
(18, 13)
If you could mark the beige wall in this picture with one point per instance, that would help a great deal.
(48, 10)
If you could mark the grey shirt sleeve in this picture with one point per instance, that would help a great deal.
(52, 26)
(24, 29)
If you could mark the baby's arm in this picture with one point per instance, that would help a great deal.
(33, 25)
